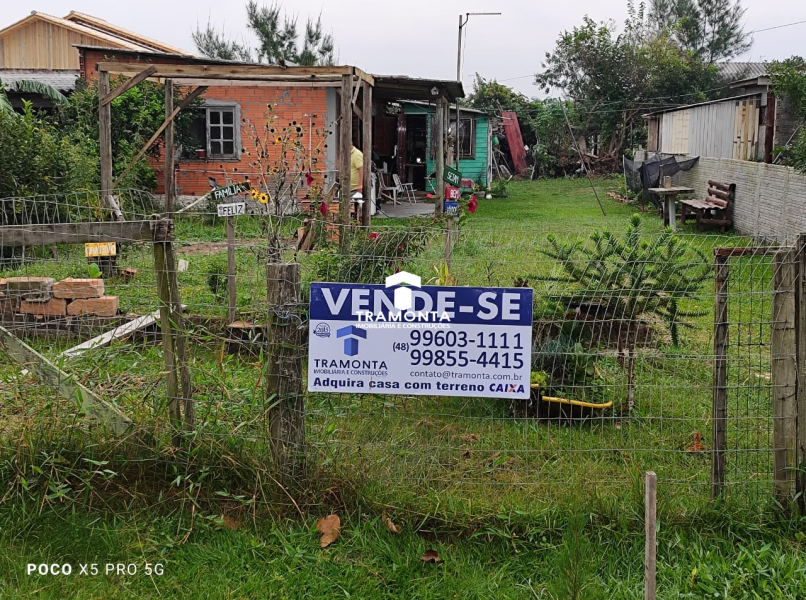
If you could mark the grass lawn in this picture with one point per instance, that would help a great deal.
(517, 507)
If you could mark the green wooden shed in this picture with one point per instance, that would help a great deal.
(417, 162)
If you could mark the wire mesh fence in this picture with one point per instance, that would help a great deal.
(625, 368)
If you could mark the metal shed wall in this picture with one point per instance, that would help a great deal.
(727, 129)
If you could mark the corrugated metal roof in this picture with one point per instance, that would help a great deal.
(734, 71)
(64, 81)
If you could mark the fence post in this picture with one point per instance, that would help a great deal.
(720, 401)
(284, 369)
(800, 395)
(784, 375)
(162, 232)
(651, 534)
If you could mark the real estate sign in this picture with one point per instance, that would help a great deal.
(402, 338)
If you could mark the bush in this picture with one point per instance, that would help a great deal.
(372, 257)
(39, 158)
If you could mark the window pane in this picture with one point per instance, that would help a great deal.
(215, 117)
(215, 133)
(229, 148)
(229, 133)
(215, 148)
(228, 117)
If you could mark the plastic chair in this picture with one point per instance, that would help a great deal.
(406, 188)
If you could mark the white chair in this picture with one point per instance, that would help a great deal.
(406, 188)
(390, 188)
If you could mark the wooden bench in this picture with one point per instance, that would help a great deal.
(716, 209)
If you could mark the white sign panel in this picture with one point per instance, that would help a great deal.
(231, 210)
(432, 341)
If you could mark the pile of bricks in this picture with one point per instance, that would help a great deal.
(46, 297)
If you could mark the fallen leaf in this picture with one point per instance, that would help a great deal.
(470, 437)
(389, 524)
(466, 453)
(431, 556)
(330, 527)
(230, 523)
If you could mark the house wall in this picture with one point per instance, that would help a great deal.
(770, 200)
(728, 129)
(43, 45)
(787, 122)
(307, 106)
(475, 168)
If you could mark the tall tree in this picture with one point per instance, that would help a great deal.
(711, 29)
(612, 77)
(278, 39)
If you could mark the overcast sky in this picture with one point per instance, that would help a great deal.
(418, 37)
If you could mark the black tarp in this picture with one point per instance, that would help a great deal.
(642, 176)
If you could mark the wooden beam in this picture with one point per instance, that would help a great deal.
(187, 100)
(75, 233)
(345, 146)
(268, 83)
(738, 252)
(64, 384)
(108, 337)
(168, 148)
(363, 76)
(105, 137)
(226, 71)
(366, 121)
(141, 76)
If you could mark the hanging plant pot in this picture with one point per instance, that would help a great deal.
(201, 153)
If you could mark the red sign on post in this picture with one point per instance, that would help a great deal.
(452, 193)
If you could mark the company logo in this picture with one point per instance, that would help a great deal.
(322, 330)
(351, 335)
(404, 300)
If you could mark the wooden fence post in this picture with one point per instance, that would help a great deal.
(231, 289)
(174, 343)
(162, 232)
(105, 137)
(784, 375)
(366, 112)
(720, 400)
(284, 369)
(800, 398)
(439, 131)
(651, 534)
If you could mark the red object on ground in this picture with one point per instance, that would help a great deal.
(513, 133)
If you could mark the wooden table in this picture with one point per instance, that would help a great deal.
(669, 196)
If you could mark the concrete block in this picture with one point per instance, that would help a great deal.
(55, 307)
(107, 306)
(75, 289)
(34, 289)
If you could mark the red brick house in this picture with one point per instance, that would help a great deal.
(233, 108)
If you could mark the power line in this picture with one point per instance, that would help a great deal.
(748, 33)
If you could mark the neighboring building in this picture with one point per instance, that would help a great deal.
(42, 41)
(235, 112)
(416, 160)
(41, 48)
(747, 126)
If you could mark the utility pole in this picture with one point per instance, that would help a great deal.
(462, 23)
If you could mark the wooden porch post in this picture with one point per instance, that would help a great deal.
(105, 136)
(169, 148)
(439, 131)
(345, 145)
(366, 110)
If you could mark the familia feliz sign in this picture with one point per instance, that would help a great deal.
(404, 338)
